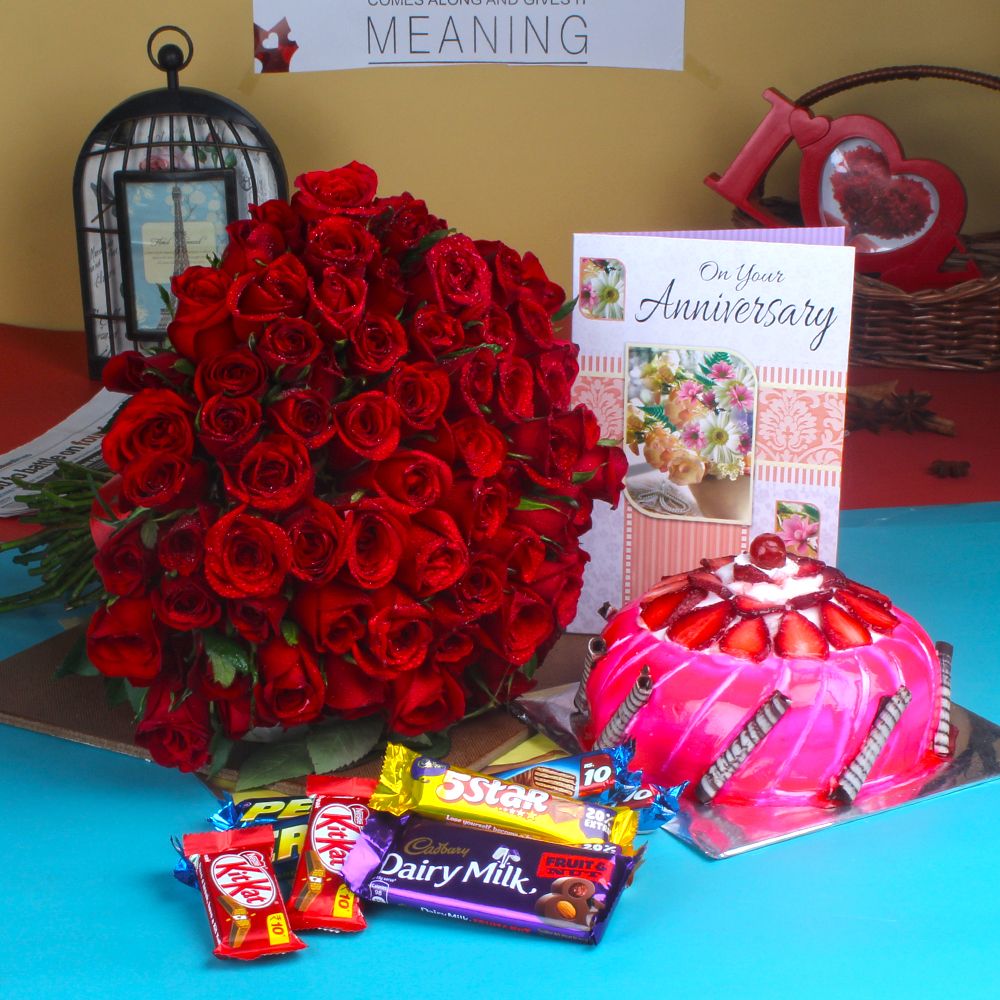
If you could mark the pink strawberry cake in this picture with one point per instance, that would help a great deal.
(772, 679)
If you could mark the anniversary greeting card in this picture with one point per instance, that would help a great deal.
(719, 360)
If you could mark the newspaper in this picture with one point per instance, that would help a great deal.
(76, 439)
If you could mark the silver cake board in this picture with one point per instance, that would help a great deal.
(723, 830)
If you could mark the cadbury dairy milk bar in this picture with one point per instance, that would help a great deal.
(485, 877)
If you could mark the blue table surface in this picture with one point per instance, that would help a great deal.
(899, 904)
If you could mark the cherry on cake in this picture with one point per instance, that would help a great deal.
(773, 679)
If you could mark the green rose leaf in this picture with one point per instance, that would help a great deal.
(564, 310)
(339, 744)
(76, 662)
(228, 657)
(436, 745)
(272, 762)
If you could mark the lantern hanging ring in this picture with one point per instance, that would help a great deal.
(167, 58)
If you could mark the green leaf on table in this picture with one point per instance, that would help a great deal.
(272, 762)
(435, 745)
(342, 743)
(114, 691)
(227, 656)
(136, 697)
(76, 662)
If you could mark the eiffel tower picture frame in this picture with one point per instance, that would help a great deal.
(169, 220)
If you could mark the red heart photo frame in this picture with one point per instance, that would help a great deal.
(902, 216)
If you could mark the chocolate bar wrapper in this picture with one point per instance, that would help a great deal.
(320, 899)
(240, 891)
(603, 776)
(484, 877)
(411, 782)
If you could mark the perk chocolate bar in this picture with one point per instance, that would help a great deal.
(411, 782)
(486, 877)
(240, 892)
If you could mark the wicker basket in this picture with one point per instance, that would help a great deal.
(956, 327)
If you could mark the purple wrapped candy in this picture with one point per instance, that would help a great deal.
(488, 878)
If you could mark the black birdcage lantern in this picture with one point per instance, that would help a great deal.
(156, 183)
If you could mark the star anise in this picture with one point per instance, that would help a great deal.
(908, 411)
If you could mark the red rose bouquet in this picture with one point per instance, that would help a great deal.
(347, 501)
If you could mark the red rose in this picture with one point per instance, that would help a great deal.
(319, 537)
(155, 420)
(348, 190)
(482, 447)
(202, 325)
(260, 297)
(552, 520)
(252, 244)
(180, 547)
(236, 713)
(256, 619)
(526, 621)
(339, 243)
(515, 389)
(387, 292)
(333, 615)
(472, 380)
(573, 433)
(238, 372)
(480, 591)
(408, 481)
(399, 635)
(479, 507)
(131, 371)
(375, 345)
(163, 482)
(124, 564)
(555, 372)
(522, 548)
(519, 278)
(600, 471)
(496, 328)
(325, 375)
(456, 278)
(457, 649)
(274, 475)
(176, 733)
(350, 691)
(435, 332)
(287, 346)
(435, 556)
(279, 214)
(124, 641)
(409, 223)
(533, 326)
(375, 543)
(336, 304)
(290, 690)
(424, 701)
(246, 556)
(229, 425)
(185, 603)
(305, 415)
(422, 391)
(368, 427)
(559, 582)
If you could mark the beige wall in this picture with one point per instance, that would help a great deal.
(524, 154)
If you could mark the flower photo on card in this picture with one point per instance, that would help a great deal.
(602, 288)
(798, 525)
(689, 432)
